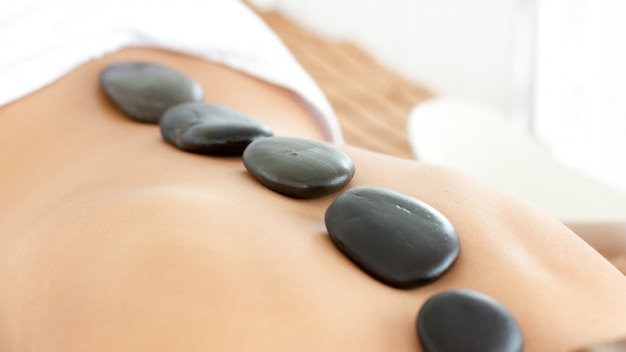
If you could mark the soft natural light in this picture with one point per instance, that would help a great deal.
(556, 68)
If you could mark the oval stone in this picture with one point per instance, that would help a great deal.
(144, 91)
(210, 129)
(399, 240)
(297, 167)
(464, 320)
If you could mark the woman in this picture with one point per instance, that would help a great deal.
(113, 240)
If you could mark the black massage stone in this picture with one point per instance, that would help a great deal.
(399, 240)
(297, 167)
(469, 321)
(210, 129)
(144, 91)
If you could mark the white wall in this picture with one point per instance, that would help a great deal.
(580, 82)
(556, 67)
(455, 47)
(615, 76)
(609, 158)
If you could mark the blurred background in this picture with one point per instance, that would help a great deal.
(554, 70)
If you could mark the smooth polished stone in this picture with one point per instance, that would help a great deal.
(144, 91)
(297, 167)
(464, 320)
(210, 129)
(397, 239)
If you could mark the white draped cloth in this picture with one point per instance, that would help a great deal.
(40, 41)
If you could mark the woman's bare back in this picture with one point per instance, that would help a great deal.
(111, 239)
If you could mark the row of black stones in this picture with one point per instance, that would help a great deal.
(401, 241)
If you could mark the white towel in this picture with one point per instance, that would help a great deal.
(40, 41)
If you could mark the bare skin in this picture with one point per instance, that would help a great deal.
(113, 240)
